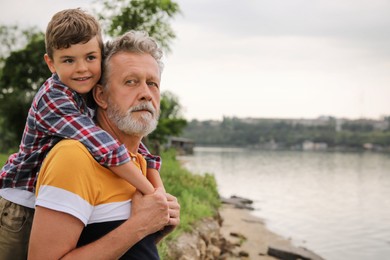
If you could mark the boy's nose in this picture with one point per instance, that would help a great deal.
(81, 66)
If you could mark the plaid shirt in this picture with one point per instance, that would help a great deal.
(58, 112)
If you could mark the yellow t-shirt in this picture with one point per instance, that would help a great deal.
(71, 181)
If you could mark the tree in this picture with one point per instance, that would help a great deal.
(152, 16)
(23, 70)
(22, 74)
(171, 122)
(12, 38)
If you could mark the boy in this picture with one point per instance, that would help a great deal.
(73, 54)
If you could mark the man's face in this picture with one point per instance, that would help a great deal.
(133, 93)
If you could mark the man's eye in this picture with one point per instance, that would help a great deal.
(130, 82)
(68, 61)
(153, 84)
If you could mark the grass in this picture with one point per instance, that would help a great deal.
(3, 159)
(197, 195)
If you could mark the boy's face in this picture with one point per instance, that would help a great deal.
(79, 66)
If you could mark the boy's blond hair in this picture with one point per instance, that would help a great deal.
(71, 26)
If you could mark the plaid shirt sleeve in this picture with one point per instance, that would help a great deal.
(153, 161)
(60, 113)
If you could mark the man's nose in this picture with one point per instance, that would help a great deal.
(145, 92)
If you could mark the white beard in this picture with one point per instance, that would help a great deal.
(127, 123)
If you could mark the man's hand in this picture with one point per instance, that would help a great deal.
(174, 210)
(174, 217)
(152, 211)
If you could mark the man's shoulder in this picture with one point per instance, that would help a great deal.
(69, 144)
(70, 148)
(69, 156)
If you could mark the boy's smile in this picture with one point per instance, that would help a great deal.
(79, 66)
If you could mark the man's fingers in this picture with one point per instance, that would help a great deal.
(137, 194)
(174, 222)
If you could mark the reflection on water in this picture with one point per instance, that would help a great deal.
(336, 204)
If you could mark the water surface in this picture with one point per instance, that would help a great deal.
(336, 204)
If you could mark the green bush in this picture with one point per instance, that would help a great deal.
(3, 159)
(197, 194)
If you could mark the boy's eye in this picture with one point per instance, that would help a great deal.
(68, 61)
(91, 57)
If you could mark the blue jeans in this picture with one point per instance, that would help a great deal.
(15, 228)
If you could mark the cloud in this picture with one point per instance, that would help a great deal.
(267, 58)
(36, 13)
(361, 23)
(280, 58)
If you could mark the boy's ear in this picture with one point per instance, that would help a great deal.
(100, 96)
(49, 63)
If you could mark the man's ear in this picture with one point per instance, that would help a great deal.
(49, 63)
(100, 96)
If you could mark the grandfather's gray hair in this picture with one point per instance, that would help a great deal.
(133, 42)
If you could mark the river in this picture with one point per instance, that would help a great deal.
(336, 204)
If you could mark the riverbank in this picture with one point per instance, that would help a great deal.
(253, 240)
(234, 234)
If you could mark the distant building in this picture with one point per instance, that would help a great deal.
(310, 146)
(339, 124)
(181, 145)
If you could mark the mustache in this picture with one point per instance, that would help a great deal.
(143, 106)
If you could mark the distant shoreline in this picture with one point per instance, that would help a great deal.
(328, 149)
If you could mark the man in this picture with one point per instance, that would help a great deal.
(83, 210)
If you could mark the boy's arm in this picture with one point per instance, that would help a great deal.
(154, 178)
(153, 165)
(153, 161)
(130, 172)
(59, 115)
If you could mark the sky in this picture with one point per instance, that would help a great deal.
(266, 58)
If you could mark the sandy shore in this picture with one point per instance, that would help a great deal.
(241, 228)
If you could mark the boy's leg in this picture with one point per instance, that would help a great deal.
(15, 228)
